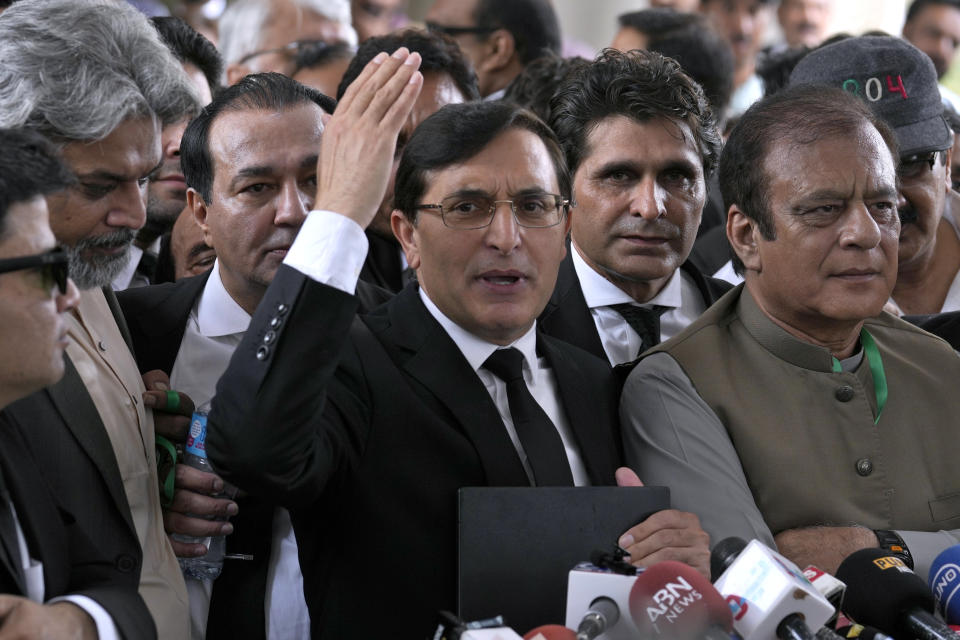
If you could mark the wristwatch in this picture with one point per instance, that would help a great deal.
(892, 542)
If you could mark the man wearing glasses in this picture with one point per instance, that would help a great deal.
(266, 35)
(107, 117)
(55, 582)
(376, 422)
(499, 37)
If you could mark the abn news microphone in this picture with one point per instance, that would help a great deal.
(768, 593)
(945, 584)
(672, 600)
(884, 593)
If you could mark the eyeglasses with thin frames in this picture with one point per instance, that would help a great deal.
(476, 211)
(290, 50)
(912, 167)
(53, 265)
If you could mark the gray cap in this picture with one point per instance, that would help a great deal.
(895, 78)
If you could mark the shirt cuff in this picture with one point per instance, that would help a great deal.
(106, 628)
(330, 248)
(925, 546)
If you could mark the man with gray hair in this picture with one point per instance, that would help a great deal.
(103, 104)
(265, 35)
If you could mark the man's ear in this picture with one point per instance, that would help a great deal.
(406, 234)
(236, 72)
(744, 236)
(499, 49)
(198, 208)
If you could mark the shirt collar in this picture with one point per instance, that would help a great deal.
(123, 279)
(600, 292)
(217, 313)
(474, 349)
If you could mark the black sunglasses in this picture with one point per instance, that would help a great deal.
(53, 266)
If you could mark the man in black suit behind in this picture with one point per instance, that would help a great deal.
(44, 554)
(250, 164)
(640, 139)
(365, 428)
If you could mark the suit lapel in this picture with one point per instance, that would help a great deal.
(431, 357)
(567, 315)
(711, 289)
(81, 417)
(118, 316)
(9, 547)
(580, 403)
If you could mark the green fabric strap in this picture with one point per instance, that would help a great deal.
(876, 369)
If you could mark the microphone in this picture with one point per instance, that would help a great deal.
(769, 595)
(723, 554)
(672, 600)
(884, 593)
(550, 632)
(945, 584)
(596, 598)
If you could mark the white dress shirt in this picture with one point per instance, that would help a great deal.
(33, 576)
(330, 249)
(620, 342)
(214, 330)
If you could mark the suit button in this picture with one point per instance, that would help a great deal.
(864, 467)
(282, 309)
(262, 353)
(844, 393)
(275, 322)
(126, 563)
(269, 337)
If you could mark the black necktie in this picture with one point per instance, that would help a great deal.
(147, 267)
(8, 534)
(644, 320)
(538, 435)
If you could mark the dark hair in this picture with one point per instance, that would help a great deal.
(258, 91)
(640, 85)
(536, 84)
(689, 39)
(320, 53)
(798, 116)
(532, 23)
(456, 133)
(440, 54)
(920, 5)
(30, 166)
(190, 46)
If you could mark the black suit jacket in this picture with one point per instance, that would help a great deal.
(72, 563)
(946, 325)
(365, 428)
(61, 428)
(568, 318)
(157, 318)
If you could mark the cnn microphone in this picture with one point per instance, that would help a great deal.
(672, 600)
(945, 584)
(884, 593)
(769, 595)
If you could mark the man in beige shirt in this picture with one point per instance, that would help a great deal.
(91, 432)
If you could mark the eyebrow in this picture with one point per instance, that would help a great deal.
(197, 249)
(267, 170)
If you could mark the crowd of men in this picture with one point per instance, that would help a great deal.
(398, 261)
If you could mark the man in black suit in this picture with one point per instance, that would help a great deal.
(366, 428)
(640, 140)
(189, 330)
(55, 582)
(90, 432)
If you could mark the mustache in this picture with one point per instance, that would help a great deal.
(640, 227)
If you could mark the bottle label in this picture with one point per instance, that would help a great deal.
(198, 435)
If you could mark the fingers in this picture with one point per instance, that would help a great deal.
(187, 549)
(172, 427)
(185, 525)
(627, 477)
(669, 535)
(159, 397)
(9, 603)
(198, 481)
(371, 93)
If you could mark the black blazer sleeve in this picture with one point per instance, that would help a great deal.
(262, 427)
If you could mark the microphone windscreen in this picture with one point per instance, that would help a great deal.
(672, 600)
(551, 632)
(945, 583)
(723, 554)
(880, 588)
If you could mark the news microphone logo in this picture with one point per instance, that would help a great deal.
(672, 600)
(738, 606)
(892, 562)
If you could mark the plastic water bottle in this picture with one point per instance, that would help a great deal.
(208, 566)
